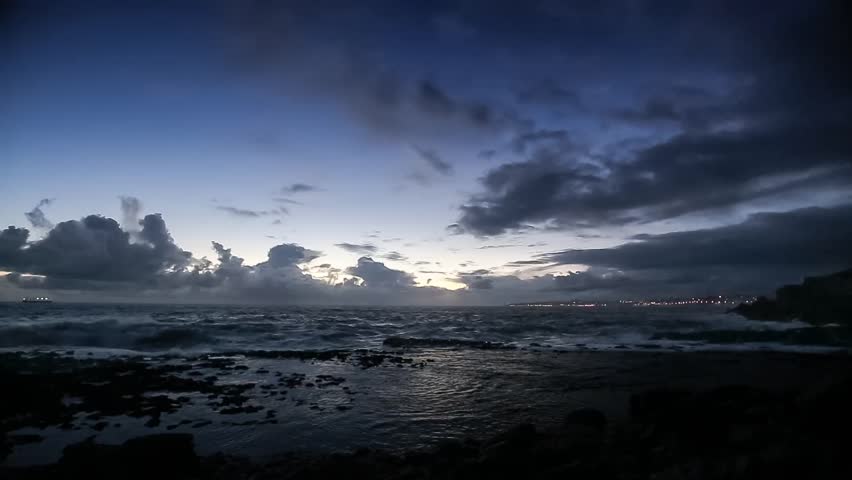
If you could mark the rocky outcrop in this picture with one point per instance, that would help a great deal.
(818, 301)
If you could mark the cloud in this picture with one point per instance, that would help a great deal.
(95, 249)
(454, 229)
(131, 207)
(653, 110)
(36, 215)
(301, 47)
(396, 256)
(688, 174)
(755, 256)
(246, 213)
(549, 93)
(95, 254)
(809, 238)
(557, 141)
(298, 188)
(592, 280)
(376, 274)
(420, 178)
(363, 248)
(288, 254)
(526, 263)
(480, 279)
(777, 130)
(12, 240)
(288, 201)
(487, 154)
(434, 160)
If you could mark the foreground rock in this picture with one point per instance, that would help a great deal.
(818, 301)
(733, 432)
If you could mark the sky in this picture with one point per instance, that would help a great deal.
(465, 152)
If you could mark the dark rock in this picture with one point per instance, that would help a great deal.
(519, 436)
(818, 300)
(586, 417)
(164, 455)
(100, 426)
(763, 309)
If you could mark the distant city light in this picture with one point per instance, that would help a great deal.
(709, 300)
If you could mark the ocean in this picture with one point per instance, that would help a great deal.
(186, 328)
(258, 381)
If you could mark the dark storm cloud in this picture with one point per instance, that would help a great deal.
(376, 274)
(96, 249)
(360, 248)
(95, 254)
(690, 173)
(36, 216)
(12, 239)
(243, 212)
(131, 207)
(784, 132)
(299, 188)
(808, 238)
(477, 280)
(434, 160)
(95, 259)
(288, 254)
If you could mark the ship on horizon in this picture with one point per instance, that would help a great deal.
(36, 300)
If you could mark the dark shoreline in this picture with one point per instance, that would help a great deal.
(769, 399)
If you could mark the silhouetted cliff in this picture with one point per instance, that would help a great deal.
(818, 300)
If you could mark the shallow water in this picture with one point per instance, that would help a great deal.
(157, 328)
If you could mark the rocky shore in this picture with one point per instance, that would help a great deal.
(732, 432)
(715, 421)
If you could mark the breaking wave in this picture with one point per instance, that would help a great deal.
(160, 328)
